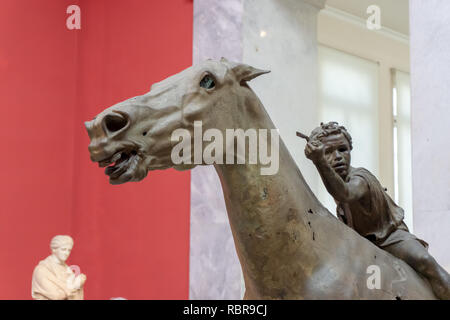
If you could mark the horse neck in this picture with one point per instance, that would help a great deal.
(267, 211)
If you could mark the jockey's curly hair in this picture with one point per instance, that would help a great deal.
(326, 129)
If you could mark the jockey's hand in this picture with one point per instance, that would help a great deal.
(314, 151)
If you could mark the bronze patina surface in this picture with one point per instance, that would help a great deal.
(364, 205)
(288, 244)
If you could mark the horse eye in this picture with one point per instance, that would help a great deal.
(207, 82)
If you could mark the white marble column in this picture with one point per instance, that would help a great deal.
(430, 123)
(279, 35)
(214, 269)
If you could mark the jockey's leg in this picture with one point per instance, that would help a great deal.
(417, 256)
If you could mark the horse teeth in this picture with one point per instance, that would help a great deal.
(113, 159)
(116, 157)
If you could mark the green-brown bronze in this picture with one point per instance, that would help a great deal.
(288, 244)
(365, 206)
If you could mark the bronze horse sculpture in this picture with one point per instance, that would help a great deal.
(288, 244)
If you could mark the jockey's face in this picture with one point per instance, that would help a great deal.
(337, 153)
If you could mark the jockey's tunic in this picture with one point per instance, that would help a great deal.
(377, 218)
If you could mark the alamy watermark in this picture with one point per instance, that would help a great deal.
(74, 20)
(213, 152)
(374, 278)
(374, 20)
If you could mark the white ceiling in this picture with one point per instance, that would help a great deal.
(394, 13)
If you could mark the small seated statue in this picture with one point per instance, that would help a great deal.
(53, 279)
(364, 205)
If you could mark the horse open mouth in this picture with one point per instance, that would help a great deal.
(121, 165)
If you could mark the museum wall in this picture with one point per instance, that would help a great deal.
(430, 114)
(131, 241)
(38, 99)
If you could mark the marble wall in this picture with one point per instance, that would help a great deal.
(430, 123)
(279, 35)
(214, 269)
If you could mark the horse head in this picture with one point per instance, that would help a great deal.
(135, 136)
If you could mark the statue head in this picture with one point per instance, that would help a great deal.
(136, 135)
(337, 146)
(61, 247)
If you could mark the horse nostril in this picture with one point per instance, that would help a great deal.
(114, 122)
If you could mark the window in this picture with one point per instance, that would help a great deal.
(401, 102)
(348, 94)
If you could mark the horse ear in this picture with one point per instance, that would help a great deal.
(245, 72)
(242, 71)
